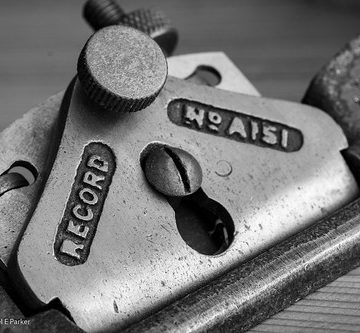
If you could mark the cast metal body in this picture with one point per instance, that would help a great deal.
(270, 168)
(130, 231)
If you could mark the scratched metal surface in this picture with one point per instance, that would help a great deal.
(278, 44)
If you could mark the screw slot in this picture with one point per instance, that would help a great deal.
(171, 171)
(181, 168)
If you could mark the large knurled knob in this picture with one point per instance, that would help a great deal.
(122, 69)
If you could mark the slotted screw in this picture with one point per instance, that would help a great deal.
(172, 171)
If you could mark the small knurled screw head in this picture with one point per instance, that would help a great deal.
(121, 69)
(103, 13)
(172, 171)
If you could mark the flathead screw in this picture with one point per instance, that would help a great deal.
(172, 171)
(103, 13)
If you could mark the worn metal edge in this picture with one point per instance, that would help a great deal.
(267, 284)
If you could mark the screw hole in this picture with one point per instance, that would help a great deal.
(205, 75)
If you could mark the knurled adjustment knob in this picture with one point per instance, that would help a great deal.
(122, 69)
(103, 13)
(156, 25)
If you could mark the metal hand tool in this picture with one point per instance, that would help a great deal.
(120, 235)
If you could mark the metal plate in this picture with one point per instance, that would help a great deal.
(30, 139)
(232, 79)
(138, 262)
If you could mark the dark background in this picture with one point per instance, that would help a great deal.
(278, 44)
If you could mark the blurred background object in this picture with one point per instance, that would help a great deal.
(278, 44)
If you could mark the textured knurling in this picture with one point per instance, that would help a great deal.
(113, 93)
(149, 21)
(154, 23)
(102, 13)
(104, 97)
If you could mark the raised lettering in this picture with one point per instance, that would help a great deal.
(269, 134)
(98, 163)
(194, 115)
(237, 126)
(78, 230)
(215, 120)
(88, 217)
(85, 204)
(254, 129)
(233, 125)
(92, 179)
(90, 193)
(70, 248)
(284, 138)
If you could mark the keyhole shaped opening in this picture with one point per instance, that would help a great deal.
(205, 75)
(204, 224)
